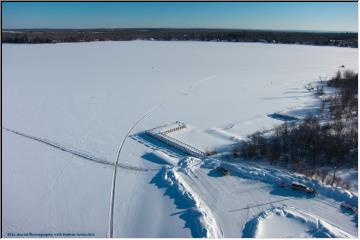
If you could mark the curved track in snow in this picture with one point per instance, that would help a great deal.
(142, 117)
(112, 196)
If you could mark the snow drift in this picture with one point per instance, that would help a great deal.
(207, 226)
(293, 222)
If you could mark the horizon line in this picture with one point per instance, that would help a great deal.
(180, 28)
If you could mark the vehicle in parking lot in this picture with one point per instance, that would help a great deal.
(301, 187)
(349, 207)
(223, 170)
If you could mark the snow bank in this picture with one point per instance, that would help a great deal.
(206, 222)
(275, 176)
(295, 223)
(166, 158)
(188, 164)
(351, 176)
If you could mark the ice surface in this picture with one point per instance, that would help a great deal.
(85, 96)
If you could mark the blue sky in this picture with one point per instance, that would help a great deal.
(274, 16)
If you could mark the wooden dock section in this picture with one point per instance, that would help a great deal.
(161, 133)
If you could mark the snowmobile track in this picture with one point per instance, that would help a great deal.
(79, 154)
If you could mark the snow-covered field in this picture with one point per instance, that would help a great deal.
(67, 108)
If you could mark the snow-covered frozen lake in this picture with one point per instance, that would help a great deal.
(70, 105)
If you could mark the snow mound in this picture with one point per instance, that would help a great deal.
(205, 221)
(190, 163)
(293, 222)
(165, 157)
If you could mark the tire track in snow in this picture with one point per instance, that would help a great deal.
(142, 117)
(78, 153)
(112, 196)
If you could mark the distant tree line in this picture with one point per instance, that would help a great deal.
(328, 139)
(87, 35)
